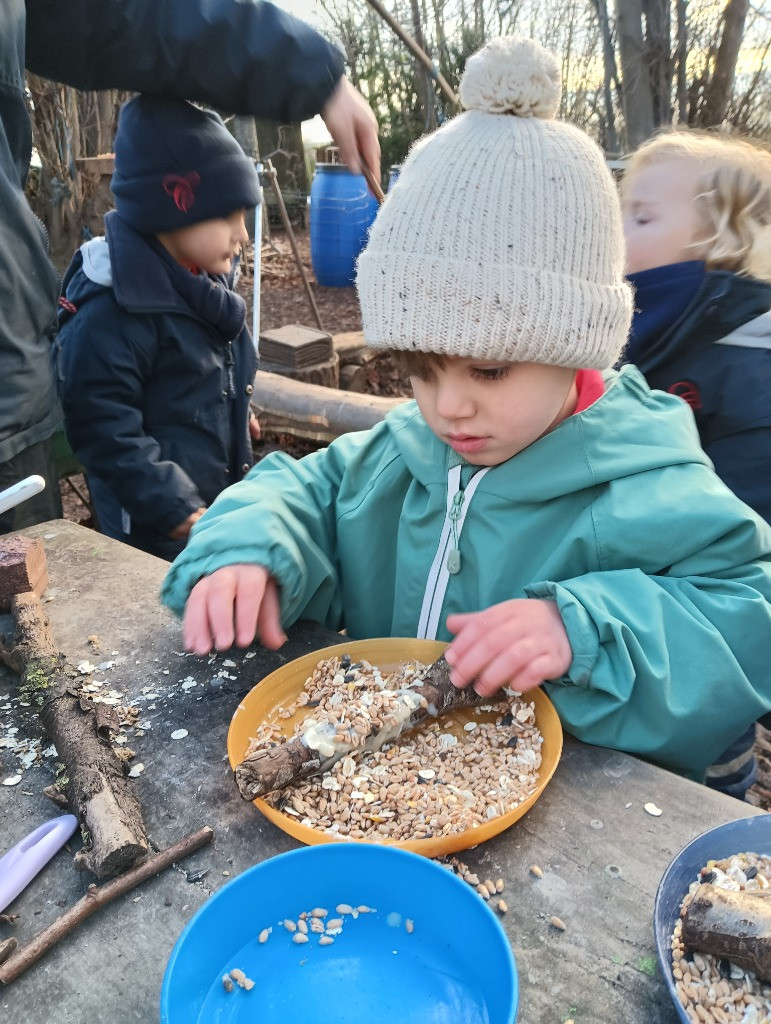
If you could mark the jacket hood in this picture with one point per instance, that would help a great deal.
(121, 260)
(754, 334)
(629, 430)
(136, 269)
(722, 304)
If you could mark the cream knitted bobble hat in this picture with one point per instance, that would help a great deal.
(501, 239)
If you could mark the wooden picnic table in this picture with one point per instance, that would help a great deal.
(601, 854)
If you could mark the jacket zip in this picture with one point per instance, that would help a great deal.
(447, 560)
(229, 364)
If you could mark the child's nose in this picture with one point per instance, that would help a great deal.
(452, 401)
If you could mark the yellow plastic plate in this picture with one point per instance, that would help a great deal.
(281, 687)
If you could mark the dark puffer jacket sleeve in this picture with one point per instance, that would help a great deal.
(104, 371)
(240, 56)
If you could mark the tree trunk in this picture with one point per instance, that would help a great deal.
(425, 87)
(635, 78)
(657, 47)
(609, 74)
(681, 61)
(718, 92)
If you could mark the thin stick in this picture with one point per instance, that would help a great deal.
(271, 173)
(419, 52)
(98, 896)
(373, 183)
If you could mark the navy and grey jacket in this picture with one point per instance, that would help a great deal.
(156, 368)
(714, 350)
(246, 58)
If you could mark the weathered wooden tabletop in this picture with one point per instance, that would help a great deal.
(601, 854)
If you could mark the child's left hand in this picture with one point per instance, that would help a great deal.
(517, 643)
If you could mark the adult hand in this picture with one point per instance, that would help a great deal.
(182, 531)
(233, 605)
(353, 127)
(517, 643)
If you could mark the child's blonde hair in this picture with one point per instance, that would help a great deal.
(733, 195)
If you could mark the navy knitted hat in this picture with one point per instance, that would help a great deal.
(176, 165)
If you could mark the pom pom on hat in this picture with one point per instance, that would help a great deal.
(501, 239)
(512, 75)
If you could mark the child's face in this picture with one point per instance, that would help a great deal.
(489, 411)
(209, 245)
(661, 221)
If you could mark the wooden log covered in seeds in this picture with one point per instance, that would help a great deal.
(733, 925)
(313, 752)
(95, 783)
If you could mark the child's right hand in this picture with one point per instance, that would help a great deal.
(182, 530)
(233, 605)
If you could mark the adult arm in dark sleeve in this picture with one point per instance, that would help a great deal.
(238, 55)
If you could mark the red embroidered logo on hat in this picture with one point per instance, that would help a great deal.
(182, 188)
(688, 391)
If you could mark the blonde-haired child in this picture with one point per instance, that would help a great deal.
(697, 220)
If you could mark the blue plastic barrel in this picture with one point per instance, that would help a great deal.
(342, 210)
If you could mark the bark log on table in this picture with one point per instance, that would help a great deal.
(95, 786)
(273, 768)
(734, 925)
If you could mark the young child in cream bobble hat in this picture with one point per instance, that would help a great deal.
(553, 518)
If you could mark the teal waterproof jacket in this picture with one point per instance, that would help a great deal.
(662, 576)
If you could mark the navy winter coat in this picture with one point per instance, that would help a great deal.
(155, 397)
(716, 354)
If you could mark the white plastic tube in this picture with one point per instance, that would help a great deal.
(19, 492)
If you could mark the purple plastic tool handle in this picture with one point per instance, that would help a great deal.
(20, 865)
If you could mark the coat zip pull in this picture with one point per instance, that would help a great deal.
(455, 513)
(458, 502)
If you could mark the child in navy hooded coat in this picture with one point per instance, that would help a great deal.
(155, 361)
(697, 221)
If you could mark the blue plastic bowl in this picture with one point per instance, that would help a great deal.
(746, 835)
(455, 967)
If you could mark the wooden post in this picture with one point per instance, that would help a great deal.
(271, 173)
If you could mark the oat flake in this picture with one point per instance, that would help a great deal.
(179, 734)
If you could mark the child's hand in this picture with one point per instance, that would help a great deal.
(182, 531)
(517, 643)
(234, 604)
(255, 430)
